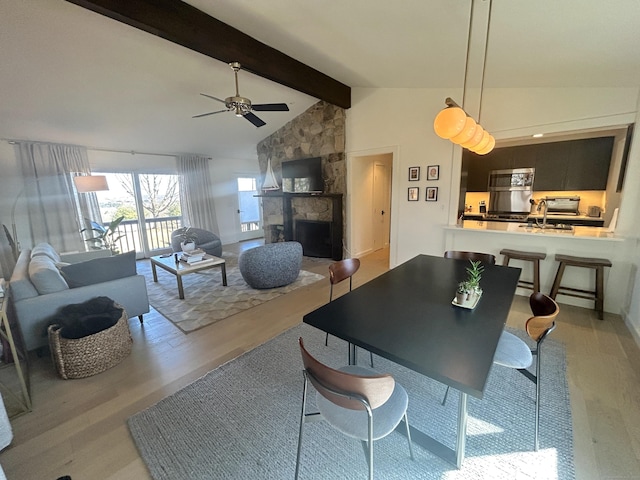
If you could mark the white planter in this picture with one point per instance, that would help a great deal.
(188, 247)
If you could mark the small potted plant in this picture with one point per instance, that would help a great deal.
(187, 239)
(462, 293)
(474, 273)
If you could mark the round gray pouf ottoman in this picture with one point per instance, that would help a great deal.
(271, 265)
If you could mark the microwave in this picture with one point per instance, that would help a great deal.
(511, 179)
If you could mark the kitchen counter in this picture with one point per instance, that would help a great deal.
(525, 229)
(590, 242)
(552, 218)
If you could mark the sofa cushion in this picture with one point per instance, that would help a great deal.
(100, 270)
(45, 276)
(20, 285)
(45, 249)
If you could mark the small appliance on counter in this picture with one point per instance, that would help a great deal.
(594, 211)
(563, 205)
(483, 207)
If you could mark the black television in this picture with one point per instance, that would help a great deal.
(303, 176)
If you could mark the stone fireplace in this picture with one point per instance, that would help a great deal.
(319, 132)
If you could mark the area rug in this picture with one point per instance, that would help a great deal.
(206, 300)
(241, 420)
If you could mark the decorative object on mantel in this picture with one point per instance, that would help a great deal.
(270, 182)
(469, 292)
(453, 123)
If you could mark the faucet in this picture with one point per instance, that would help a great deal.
(543, 202)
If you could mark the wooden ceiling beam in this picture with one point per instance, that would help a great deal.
(185, 25)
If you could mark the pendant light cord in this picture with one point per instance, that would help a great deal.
(484, 61)
(466, 62)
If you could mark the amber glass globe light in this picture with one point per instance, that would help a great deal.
(475, 140)
(449, 122)
(488, 148)
(467, 132)
(483, 143)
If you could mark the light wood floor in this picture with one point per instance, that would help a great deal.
(78, 427)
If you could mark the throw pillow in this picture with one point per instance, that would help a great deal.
(45, 276)
(45, 249)
(100, 270)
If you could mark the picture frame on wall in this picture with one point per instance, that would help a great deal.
(414, 174)
(413, 194)
(432, 194)
(433, 172)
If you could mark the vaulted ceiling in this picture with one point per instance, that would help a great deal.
(74, 76)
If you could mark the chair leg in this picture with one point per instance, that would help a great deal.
(141, 319)
(326, 340)
(537, 428)
(446, 394)
(406, 424)
(370, 445)
(302, 413)
(371, 358)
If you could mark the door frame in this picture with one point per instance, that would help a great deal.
(240, 236)
(352, 187)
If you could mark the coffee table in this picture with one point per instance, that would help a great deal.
(180, 268)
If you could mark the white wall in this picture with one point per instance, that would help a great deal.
(383, 117)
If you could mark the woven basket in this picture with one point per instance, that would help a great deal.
(86, 356)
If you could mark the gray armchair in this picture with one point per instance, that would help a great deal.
(205, 240)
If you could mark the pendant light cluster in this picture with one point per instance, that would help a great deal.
(454, 124)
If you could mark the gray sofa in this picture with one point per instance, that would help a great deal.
(271, 265)
(43, 281)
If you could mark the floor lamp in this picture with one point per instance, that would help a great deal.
(83, 183)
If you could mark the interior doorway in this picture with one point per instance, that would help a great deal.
(370, 207)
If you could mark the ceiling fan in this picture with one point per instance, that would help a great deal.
(242, 106)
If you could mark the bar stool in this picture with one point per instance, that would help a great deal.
(533, 257)
(597, 264)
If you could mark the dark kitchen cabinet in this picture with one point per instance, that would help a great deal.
(568, 165)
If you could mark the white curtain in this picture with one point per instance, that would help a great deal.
(196, 193)
(55, 211)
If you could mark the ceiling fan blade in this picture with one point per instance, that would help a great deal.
(210, 113)
(270, 107)
(213, 98)
(253, 119)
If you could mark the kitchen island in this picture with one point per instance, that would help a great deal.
(596, 242)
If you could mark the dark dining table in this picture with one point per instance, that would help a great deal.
(407, 316)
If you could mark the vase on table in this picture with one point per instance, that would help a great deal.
(188, 247)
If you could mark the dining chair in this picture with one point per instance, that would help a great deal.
(512, 352)
(475, 256)
(538, 327)
(357, 401)
(338, 272)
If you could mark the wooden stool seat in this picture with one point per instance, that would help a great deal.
(533, 257)
(597, 264)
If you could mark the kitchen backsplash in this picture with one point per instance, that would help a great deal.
(588, 198)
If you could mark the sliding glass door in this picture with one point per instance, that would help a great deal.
(150, 205)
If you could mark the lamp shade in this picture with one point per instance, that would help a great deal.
(488, 148)
(90, 183)
(449, 122)
(467, 132)
(475, 140)
(483, 143)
